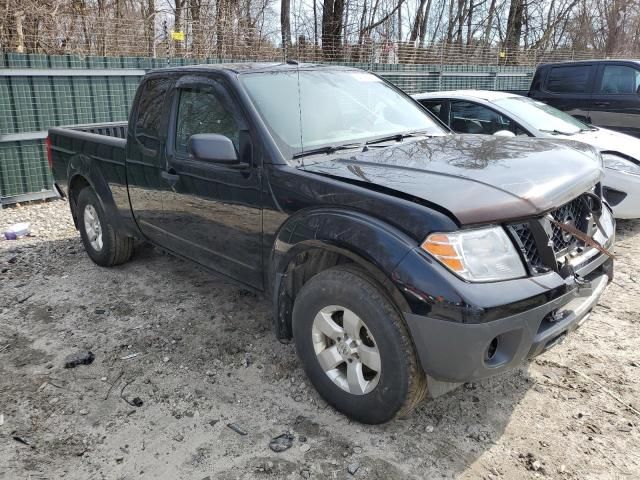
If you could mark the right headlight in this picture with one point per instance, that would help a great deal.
(479, 255)
(615, 162)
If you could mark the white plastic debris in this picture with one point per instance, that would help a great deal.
(18, 230)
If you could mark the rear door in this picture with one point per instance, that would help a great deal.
(616, 99)
(212, 211)
(146, 139)
(569, 88)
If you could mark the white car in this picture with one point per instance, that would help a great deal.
(508, 114)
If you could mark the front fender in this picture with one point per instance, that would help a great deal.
(367, 241)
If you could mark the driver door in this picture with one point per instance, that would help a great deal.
(212, 210)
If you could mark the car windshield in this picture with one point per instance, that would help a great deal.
(332, 107)
(542, 116)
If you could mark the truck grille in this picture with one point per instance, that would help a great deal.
(576, 213)
(528, 244)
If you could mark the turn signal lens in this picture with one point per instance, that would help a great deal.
(444, 250)
(479, 255)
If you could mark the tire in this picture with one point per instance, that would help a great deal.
(104, 243)
(371, 396)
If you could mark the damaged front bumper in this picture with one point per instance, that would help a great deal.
(457, 352)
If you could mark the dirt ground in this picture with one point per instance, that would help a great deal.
(203, 356)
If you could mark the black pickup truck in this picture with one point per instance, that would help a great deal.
(401, 259)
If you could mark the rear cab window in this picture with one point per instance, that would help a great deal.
(569, 79)
(147, 129)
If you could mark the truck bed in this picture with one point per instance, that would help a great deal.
(98, 146)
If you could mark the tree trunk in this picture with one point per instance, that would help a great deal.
(151, 28)
(332, 14)
(177, 24)
(489, 26)
(285, 24)
(514, 26)
(19, 19)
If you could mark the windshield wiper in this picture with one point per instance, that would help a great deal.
(558, 132)
(327, 149)
(398, 137)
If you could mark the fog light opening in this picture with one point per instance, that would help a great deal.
(491, 350)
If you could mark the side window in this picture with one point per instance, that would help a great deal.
(434, 106)
(150, 107)
(569, 79)
(200, 111)
(620, 79)
(469, 117)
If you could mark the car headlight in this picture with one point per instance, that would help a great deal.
(614, 162)
(479, 255)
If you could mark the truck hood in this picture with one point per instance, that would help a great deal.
(476, 178)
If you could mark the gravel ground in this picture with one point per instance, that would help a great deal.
(203, 356)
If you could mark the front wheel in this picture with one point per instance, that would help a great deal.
(355, 348)
(104, 243)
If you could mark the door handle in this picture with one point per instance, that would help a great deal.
(170, 176)
(602, 104)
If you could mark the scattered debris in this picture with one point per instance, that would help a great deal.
(1, 420)
(130, 356)
(353, 468)
(17, 231)
(24, 299)
(21, 440)
(213, 422)
(236, 428)
(113, 383)
(166, 359)
(178, 438)
(281, 443)
(99, 311)
(305, 447)
(136, 402)
(80, 358)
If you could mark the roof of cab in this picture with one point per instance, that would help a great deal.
(593, 60)
(252, 67)
(489, 95)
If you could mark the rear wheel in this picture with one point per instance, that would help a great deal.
(104, 243)
(354, 346)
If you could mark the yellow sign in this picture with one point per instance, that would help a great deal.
(503, 54)
(177, 36)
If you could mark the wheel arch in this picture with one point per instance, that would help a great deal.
(311, 242)
(82, 173)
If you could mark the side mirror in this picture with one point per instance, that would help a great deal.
(212, 147)
(504, 133)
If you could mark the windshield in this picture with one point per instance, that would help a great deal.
(541, 116)
(332, 107)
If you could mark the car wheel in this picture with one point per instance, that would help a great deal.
(355, 348)
(104, 243)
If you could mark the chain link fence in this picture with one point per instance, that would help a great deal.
(75, 69)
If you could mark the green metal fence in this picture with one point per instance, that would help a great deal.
(41, 91)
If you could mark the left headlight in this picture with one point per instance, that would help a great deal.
(479, 255)
(614, 162)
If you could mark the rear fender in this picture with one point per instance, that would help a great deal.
(83, 171)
